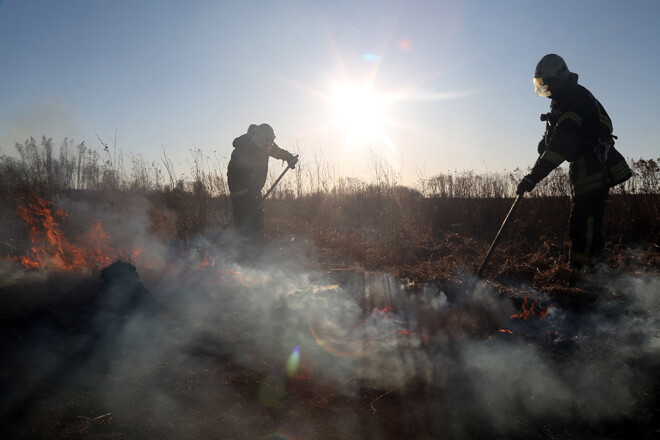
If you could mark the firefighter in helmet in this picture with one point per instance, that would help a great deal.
(578, 130)
(246, 176)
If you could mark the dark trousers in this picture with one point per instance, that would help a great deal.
(248, 218)
(586, 228)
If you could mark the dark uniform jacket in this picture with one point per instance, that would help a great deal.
(248, 166)
(579, 130)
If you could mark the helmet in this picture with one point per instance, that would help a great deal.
(551, 70)
(263, 135)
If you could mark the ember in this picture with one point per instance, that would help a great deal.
(406, 332)
(207, 261)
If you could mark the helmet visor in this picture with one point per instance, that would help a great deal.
(541, 88)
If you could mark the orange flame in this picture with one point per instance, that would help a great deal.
(531, 309)
(502, 330)
(237, 275)
(407, 332)
(383, 312)
(50, 249)
(207, 261)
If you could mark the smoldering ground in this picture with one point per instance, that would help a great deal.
(211, 343)
(209, 357)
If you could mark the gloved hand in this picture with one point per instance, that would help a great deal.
(525, 185)
(292, 161)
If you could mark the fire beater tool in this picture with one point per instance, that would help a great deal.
(263, 200)
(495, 241)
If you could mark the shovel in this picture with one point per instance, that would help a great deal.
(497, 238)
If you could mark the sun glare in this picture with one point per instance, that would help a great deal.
(360, 110)
(361, 117)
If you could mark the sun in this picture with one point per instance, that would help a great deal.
(360, 110)
(366, 116)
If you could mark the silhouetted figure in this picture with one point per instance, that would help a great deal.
(246, 176)
(121, 293)
(578, 130)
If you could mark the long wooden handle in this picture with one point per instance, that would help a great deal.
(497, 238)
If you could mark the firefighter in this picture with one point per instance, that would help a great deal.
(578, 130)
(246, 176)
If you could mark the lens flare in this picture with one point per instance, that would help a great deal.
(339, 339)
(294, 361)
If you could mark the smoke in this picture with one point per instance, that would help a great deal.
(53, 117)
(258, 343)
(590, 365)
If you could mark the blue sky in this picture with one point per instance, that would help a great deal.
(449, 81)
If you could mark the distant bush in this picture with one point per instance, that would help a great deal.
(645, 180)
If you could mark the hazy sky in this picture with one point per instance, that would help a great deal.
(430, 86)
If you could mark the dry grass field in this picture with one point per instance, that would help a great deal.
(131, 309)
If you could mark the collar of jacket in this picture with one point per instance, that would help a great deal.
(567, 90)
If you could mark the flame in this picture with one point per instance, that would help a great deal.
(407, 332)
(233, 273)
(207, 261)
(532, 309)
(384, 312)
(50, 249)
(502, 330)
